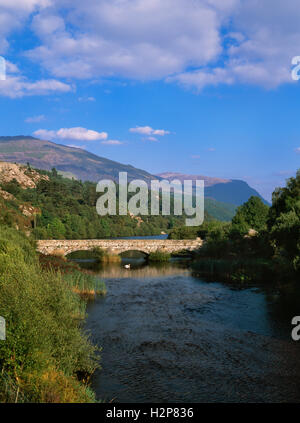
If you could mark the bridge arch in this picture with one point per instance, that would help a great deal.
(117, 246)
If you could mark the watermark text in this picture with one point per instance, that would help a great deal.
(186, 198)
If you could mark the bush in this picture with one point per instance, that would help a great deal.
(159, 256)
(44, 333)
(104, 256)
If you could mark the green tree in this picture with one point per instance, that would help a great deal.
(57, 229)
(251, 215)
(284, 221)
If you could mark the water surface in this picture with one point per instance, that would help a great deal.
(168, 336)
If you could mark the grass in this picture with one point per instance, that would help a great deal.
(81, 281)
(104, 256)
(84, 284)
(159, 256)
(46, 348)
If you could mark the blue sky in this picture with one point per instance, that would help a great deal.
(194, 86)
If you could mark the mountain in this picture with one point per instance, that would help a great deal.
(70, 161)
(223, 195)
(229, 191)
(208, 180)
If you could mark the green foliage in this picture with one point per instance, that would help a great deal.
(239, 271)
(276, 240)
(11, 216)
(159, 256)
(105, 256)
(85, 284)
(45, 346)
(219, 210)
(13, 187)
(183, 232)
(251, 215)
(284, 222)
(68, 210)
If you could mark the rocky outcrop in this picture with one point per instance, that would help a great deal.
(26, 177)
(6, 195)
(28, 210)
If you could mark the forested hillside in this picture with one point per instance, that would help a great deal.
(65, 208)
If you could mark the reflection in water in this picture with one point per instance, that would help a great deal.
(138, 269)
(168, 336)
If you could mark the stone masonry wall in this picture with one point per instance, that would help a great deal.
(117, 246)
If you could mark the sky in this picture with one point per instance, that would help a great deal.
(193, 86)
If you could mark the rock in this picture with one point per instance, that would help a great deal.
(26, 177)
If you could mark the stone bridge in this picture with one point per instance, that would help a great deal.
(117, 246)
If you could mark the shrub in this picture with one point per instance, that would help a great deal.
(159, 256)
(43, 326)
(104, 256)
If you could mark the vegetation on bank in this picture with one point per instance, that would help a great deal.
(47, 356)
(105, 256)
(82, 282)
(261, 242)
(236, 270)
(159, 256)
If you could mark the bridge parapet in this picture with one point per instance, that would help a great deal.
(117, 246)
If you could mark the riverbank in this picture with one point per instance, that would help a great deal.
(47, 355)
(236, 270)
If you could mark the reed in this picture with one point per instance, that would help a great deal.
(84, 284)
(104, 256)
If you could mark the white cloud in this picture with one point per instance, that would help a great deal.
(112, 142)
(17, 86)
(160, 132)
(147, 130)
(235, 71)
(195, 43)
(77, 133)
(195, 156)
(35, 119)
(14, 14)
(139, 39)
(297, 150)
(266, 37)
(86, 99)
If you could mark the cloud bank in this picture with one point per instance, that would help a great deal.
(193, 43)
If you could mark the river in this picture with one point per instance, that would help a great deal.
(169, 336)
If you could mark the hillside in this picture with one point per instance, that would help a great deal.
(71, 161)
(51, 206)
(16, 212)
(26, 177)
(223, 195)
(230, 191)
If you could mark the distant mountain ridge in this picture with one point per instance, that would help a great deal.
(224, 195)
(208, 180)
(231, 191)
(71, 161)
